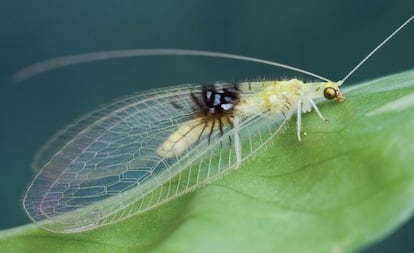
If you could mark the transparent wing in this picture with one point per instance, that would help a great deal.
(63, 136)
(105, 167)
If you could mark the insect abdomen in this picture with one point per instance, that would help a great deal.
(185, 136)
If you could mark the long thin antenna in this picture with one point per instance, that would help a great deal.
(376, 49)
(55, 63)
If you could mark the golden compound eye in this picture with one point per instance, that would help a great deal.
(330, 93)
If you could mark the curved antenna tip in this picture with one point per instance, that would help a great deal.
(55, 63)
(380, 45)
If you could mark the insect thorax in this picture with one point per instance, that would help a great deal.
(270, 96)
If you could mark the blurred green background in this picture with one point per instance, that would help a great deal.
(325, 37)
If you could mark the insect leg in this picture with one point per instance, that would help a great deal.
(202, 131)
(317, 110)
(299, 119)
(211, 131)
(237, 144)
(230, 122)
(221, 127)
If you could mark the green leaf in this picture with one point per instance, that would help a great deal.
(349, 183)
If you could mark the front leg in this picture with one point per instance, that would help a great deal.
(317, 110)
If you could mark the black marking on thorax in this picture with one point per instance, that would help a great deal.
(216, 105)
(217, 101)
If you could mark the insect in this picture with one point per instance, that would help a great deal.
(143, 150)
